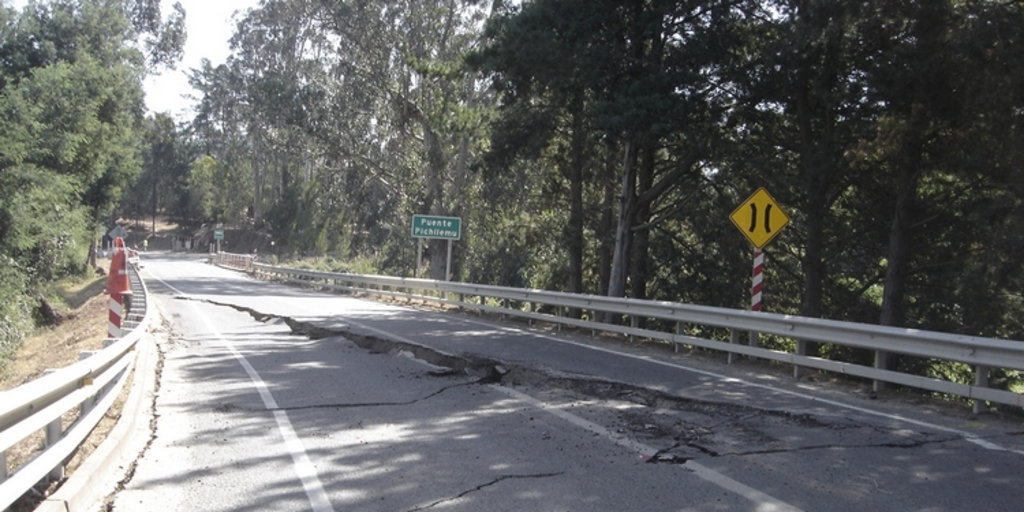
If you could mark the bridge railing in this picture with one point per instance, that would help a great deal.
(81, 393)
(981, 354)
(239, 261)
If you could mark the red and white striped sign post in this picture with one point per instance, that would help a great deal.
(114, 316)
(756, 287)
(760, 219)
(758, 281)
(119, 289)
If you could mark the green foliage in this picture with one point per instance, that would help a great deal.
(215, 192)
(72, 97)
(70, 109)
(167, 158)
(201, 189)
(15, 314)
(301, 225)
(44, 228)
(363, 266)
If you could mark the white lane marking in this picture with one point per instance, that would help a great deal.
(165, 283)
(304, 468)
(763, 501)
(968, 436)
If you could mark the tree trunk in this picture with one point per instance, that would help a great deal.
(257, 180)
(812, 172)
(899, 252)
(624, 226)
(893, 308)
(47, 313)
(814, 198)
(607, 225)
(435, 190)
(642, 237)
(156, 203)
(813, 261)
(574, 229)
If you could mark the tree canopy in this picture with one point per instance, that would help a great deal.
(70, 106)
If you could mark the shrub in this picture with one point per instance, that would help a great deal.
(15, 312)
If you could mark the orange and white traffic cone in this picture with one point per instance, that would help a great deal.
(119, 288)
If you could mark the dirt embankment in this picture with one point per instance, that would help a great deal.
(82, 326)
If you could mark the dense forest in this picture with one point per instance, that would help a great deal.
(591, 146)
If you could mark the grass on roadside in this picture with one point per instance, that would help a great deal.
(82, 308)
(365, 266)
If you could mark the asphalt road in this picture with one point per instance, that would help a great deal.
(277, 398)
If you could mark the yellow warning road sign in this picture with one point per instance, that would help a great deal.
(759, 218)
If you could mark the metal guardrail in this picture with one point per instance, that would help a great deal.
(982, 354)
(90, 385)
(240, 261)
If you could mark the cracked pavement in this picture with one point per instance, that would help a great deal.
(396, 411)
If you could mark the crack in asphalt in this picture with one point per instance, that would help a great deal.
(665, 455)
(485, 485)
(909, 445)
(121, 485)
(489, 369)
(705, 450)
(232, 407)
(606, 390)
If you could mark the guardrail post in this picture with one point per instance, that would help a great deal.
(981, 381)
(679, 330)
(90, 402)
(881, 363)
(801, 350)
(634, 322)
(734, 338)
(755, 341)
(54, 431)
(53, 434)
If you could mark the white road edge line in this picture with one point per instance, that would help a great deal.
(968, 436)
(304, 468)
(165, 283)
(764, 502)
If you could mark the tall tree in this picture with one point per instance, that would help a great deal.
(406, 57)
(541, 71)
(71, 102)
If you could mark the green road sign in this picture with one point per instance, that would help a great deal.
(218, 234)
(432, 226)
